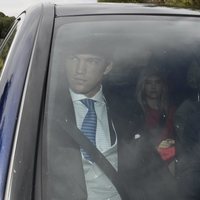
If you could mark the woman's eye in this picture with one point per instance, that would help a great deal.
(158, 82)
(148, 82)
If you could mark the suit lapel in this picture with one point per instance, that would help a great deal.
(113, 135)
(66, 163)
(69, 113)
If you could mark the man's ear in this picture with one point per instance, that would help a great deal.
(108, 68)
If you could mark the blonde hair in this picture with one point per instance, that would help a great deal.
(145, 74)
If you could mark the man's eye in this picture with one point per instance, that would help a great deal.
(93, 60)
(73, 58)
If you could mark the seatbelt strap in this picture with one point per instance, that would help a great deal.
(96, 155)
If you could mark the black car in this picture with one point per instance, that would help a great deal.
(153, 90)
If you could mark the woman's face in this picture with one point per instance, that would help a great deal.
(153, 87)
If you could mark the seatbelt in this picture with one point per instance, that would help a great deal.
(96, 155)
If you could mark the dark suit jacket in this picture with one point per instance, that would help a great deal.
(189, 160)
(139, 165)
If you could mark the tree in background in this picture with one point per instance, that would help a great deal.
(183, 3)
(5, 24)
(177, 3)
(124, 1)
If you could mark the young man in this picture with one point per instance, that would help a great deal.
(85, 73)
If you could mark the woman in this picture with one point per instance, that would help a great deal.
(152, 95)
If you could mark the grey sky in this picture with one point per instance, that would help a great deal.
(15, 7)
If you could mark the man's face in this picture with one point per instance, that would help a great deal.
(153, 87)
(85, 73)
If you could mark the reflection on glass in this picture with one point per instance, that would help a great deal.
(4, 51)
(147, 155)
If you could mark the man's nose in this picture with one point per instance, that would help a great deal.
(81, 67)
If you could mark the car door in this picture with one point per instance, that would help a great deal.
(22, 84)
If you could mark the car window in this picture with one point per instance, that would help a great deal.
(150, 83)
(6, 44)
(5, 135)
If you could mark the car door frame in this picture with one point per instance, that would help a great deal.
(20, 180)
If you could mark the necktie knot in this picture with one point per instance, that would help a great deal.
(89, 103)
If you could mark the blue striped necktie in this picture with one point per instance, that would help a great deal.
(89, 124)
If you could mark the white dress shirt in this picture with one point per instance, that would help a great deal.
(99, 187)
(103, 141)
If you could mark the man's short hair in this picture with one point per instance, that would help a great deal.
(99, 46)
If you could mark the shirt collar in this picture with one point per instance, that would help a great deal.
(97, 97)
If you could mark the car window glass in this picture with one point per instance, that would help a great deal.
(150, 83)
(6, 44)
(6, 139)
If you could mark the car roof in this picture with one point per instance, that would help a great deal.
(120, 8)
